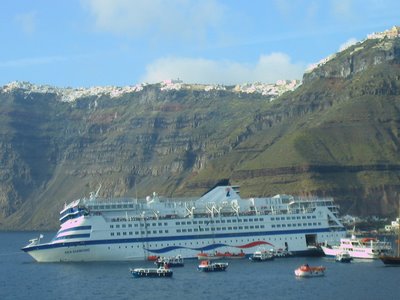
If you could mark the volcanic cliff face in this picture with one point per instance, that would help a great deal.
(335, 135)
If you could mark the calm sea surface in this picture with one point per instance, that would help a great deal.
(22, 278)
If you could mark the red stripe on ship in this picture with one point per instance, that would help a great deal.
(253, 244)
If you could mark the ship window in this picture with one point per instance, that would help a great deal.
(112, 233)
(299, 224)
(228, 221)
(229, 228)
(314, 217)
(240, 227)
(246, 227)
(303, 217)
(319, 223)
(308, 217)
(129, 225)
(304, 224)
(183, 230)
(251, 227)
(283, 225)
(294, 225)
(117, 226)
(178, 230)
(233, 221)
(279, 225)
(234, 227)
(309, 224)
(154, 231)
(107, 206)
(118, 233)
(244, 220)
(217, 221)
(256, 226)
(148, 231)
(142, 232)
(189, 223)
(111, 226)
(136, 232)
(177, 223)
(165, 223)
(166, 231)
(273, 226)
(195, 229)
(183, 223)
(123, 225)
(200, 222)
(262, 226)
(298, 218)
(159, 224)
(218, 228)
(119, 206)
(277, 218)
(136, 225)
(194, 222)
(261, 219)
(207, 229)
(189, 230)
(154, 224)
(124, 233)
(256, 219)
(250, 220)
(272, 218)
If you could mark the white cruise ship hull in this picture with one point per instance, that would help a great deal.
(219, 221)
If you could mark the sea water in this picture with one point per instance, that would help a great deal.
(23, 278)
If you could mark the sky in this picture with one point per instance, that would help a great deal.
(83, 43)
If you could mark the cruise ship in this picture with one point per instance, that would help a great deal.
(122, 229)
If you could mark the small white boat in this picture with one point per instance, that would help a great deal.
(207, 266)
(170, 262)
(343, 257)
(151, 272)
(261, 255)
(307, 271)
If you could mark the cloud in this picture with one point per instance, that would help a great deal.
(268, 69)
(347, 44)
(161, 17)
(27, 22)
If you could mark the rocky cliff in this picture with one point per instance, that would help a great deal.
(335, 135)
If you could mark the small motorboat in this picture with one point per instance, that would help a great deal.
(170, 262)
(207, 266)
(151, 272)
(307, 271)
(343, 257)
(261, 255)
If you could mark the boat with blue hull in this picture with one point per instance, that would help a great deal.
(151, 272)
(207, 266)
(123, 229)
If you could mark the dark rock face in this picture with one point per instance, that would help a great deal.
(337, 135)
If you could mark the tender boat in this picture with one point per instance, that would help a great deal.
(232, 255)
(170, 262)
(210, 256)
(262, 255)
(151, 272)
(343, 257)
(207, 266)
(307, 271)
(368, 248)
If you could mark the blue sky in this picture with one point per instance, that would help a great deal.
(82, 43)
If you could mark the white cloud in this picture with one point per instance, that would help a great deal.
(27, 22)
(161, 17)
(268, 69)
(347, 44)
